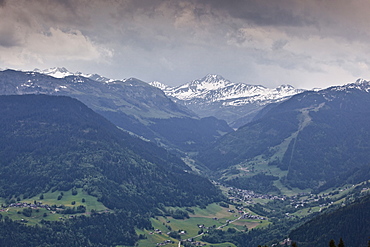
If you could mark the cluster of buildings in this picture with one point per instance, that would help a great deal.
(253, 217)
(195, 243)
(165, 242)
(239, 195)
(34, 205)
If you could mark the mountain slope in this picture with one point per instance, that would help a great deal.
(57, 142)
(236, 103)
(130, 104)
(351, 223)
(312, 138)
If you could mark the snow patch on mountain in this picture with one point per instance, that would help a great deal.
(359, 84)
(161, 86)
(62, 72)
(55, 72)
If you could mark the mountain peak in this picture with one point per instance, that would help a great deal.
(160, 85)
(359, 84)
(286, 88)
(361, 81)
(214, 88)
(363, 85)
(57, 72)
(61, 72)
(209, 82)
(212, 78)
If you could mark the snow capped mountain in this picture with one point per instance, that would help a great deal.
(63, 72)
(216, 96)
(161, 86)
(55, 72)
(214, 88)
(360, 84)
(212, 95)
(131, 104)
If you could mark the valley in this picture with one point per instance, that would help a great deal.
(120, 163)
(175, 123)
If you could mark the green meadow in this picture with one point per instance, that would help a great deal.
(213, 216)
(66, 199)
(51, 198)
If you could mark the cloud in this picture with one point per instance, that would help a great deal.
(262, 12)
(177, 41)
(33, 34)
(71, 45)
(8, 38)
(54, 44)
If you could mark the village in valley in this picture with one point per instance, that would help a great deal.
(244, 211)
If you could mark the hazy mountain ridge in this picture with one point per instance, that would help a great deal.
(234, 102)
(130, 104)
(213, 95)
(63, 72)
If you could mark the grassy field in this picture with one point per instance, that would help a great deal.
(154, 238)
(216, 216)
(289, 192)
(51, 198)
(35, 218)
(212, 216)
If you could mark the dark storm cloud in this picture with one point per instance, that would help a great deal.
(7, 38)
(346, 19)
(262, 12)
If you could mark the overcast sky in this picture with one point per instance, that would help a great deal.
(305, 43)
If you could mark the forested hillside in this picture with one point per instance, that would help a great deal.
(314, 138)
(96, 230)
(351, 223)
(58, 143)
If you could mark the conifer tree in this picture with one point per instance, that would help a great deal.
(341, 243)
(332, 243)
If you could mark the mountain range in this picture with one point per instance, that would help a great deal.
(210, 96)
(63, 131)
(131, 104)
(236, 103)
(310, 139)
